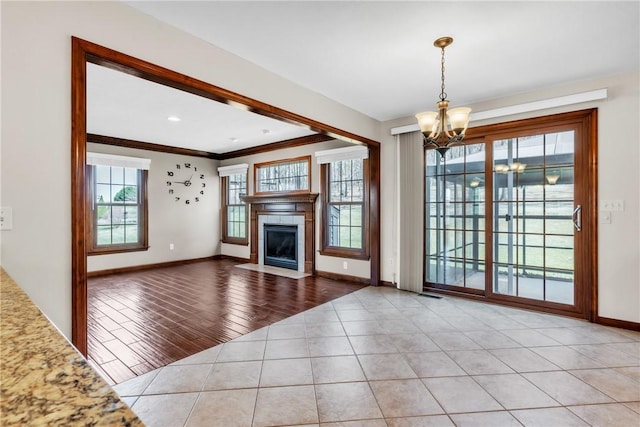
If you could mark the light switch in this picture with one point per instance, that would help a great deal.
(604, 217)
(617, 205)
(612, 205)
(6, 218)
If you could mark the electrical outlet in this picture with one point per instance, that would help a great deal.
(171, 246)
(604, 217)
(345, 265)
(6, 218)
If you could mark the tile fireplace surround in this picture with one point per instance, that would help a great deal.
(286, 209)
(273, 219)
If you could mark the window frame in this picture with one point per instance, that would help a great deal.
(256, 175)
(325, 197)
(224, 181)
(143, 218)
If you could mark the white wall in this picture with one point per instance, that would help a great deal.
(357, 268)
(194, 229)
(36, 133)
(618, 178)
(36, 121)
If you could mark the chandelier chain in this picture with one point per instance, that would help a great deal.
(443, 95)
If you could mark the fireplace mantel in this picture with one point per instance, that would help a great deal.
(302, 204)
(281, 198)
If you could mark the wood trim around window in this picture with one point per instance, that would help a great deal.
(334, 251)
(257, 166)
(143, 245)
(223, 215)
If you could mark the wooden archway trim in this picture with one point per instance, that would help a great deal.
(83, 51)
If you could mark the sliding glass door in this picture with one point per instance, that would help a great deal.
(455, 208)
(533, 217)
(505, 216)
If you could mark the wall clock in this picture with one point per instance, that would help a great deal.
(186, 184)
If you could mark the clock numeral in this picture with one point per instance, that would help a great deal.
(170, 173)
(187, 201)
(177, 199)
(201, 176)
(201, 191)
(195, 169)
(168, 183)
(204, 185)
(187, 165)
(177, 166)
(197, 199)
(171, 191)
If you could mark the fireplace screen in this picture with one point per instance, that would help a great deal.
(281, 246)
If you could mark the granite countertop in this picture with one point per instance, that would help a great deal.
(43, 379)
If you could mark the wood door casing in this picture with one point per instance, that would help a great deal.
(584, 123)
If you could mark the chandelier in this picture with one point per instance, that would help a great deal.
(447, 126)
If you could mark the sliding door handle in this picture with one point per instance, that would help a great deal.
(577, 218)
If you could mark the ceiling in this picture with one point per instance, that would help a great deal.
(378, 57)
(125, 106)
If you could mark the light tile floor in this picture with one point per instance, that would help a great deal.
(383, 357)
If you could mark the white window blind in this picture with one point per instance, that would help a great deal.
(411, 211)
(232, 169)
(101, 159)
(345, 153)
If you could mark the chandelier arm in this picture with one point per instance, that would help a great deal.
(443, 106)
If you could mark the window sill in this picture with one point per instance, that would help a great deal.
(239, 242)
(116, 250)
(345, 253)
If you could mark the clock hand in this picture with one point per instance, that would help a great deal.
(186, 182)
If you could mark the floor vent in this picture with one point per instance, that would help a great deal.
(431, 296)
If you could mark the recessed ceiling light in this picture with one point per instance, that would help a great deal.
(234, 139)
(173, 118)
(266, 131)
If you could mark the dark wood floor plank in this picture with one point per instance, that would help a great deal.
(143, 320)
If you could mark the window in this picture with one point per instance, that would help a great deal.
(234, 210)
(283, 176)
(118, 211)
(345, 191)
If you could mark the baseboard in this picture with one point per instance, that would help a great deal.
(343, 277)
(234, 258)
(623, 324)
(387, 283)
(133, 268)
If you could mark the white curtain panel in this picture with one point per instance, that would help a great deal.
(411, 212)
(344, 153)
(232, 169)
(118, 161)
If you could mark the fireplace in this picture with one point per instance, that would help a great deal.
(285, 210)
(281, 246)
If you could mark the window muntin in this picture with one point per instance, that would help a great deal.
(455, 216)
(283, 176)
(118, 209)
(234, 209)
(345, 208)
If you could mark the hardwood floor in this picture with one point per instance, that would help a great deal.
(144, 320)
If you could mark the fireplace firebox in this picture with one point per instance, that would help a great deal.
(281, 246)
